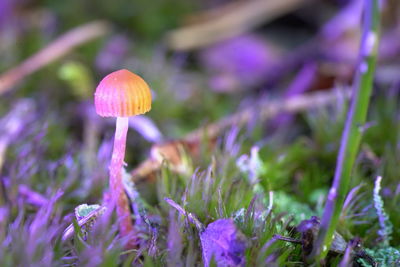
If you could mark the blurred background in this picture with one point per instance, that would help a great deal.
(202, 59)
(205, 61)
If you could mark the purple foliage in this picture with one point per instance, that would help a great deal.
(386, 227)
(113, 53)
(15, 122)
(146, 127)
(341, 33)
(354, 207)
(174, 242)
(241, 61)
(87, 108)
(32, 197)
(30, 242)
(101, 242)
(6, 11)
(348, 18)
(105, 150)
(301, 83)
(103, 159)
(222, 242)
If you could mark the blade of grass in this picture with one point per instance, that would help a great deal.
(352, 133)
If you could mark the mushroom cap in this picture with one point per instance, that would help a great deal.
(122, 94)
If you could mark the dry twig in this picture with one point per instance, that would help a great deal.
(228, 21)
(55, 50)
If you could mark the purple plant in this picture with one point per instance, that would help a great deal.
(6, 11)
(386, 227)
(113, 53)
(347, 19)
(30, 240)
(222, 242)
(174, 242)
(238, 62)
(100, 245)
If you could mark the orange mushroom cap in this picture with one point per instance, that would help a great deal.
(122, 94)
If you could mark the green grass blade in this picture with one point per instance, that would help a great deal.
(352, 133)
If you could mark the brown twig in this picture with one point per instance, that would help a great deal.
(264, 110)
(55, 50)
(228, 21)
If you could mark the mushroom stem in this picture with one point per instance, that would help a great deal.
(117, 188)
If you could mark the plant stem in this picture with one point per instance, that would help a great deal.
(353, 130)
(117, 188)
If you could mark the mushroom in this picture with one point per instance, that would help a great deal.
(121, 94)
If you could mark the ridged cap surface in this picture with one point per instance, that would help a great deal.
(122, 94)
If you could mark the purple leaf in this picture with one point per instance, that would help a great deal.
(240, 61)
(32, 197)
(113, 53)
(174, 241)
(224, 243)
(146, 127)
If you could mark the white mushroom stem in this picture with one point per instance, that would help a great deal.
(116, 184)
